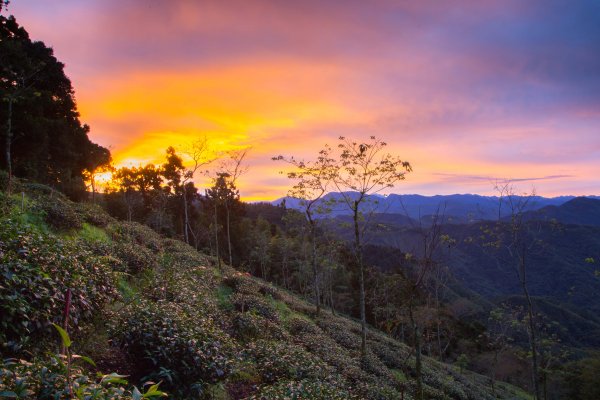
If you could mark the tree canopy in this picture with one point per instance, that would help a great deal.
(43, 138)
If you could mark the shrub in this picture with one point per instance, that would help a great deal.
(60, 214)
(94, 214)
(340, 333)
(299, 326)
(47, 380)
(36, 269)
(63, 377)
(277, 360)
(136, 233)
(183, 348)
(303, 390)
(136, 258)
(267, 290)
(241, 283)
(247, 302)
(250, 325)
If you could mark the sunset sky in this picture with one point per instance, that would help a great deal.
(467, 91)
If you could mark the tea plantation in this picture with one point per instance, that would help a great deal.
(145, 310)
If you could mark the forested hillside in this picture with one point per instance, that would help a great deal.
(154, 309)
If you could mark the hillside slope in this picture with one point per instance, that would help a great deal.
(561, 269)
(155, 309)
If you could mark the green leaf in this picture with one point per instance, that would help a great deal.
(154, 392)
(87, 360)
(8, 394)
(66, 340)
(114, 378)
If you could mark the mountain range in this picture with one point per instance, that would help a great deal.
(457, 208)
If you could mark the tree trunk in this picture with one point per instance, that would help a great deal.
(228, 233)
(186, 217)
(315, 268)
(361, 277)
(494, 365)
(217, 239)
(532, 341)
(418, 366)
(8, 144)
(439, 340)
(331, 293)
(93, 183)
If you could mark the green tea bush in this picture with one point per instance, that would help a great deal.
(303, 390)
(246, 302)
(184, 255)
(299, 326)
(136, 258)
(373, 365)
(48, 380)
(62, 376)
(94, 214)
(277, 360)
(59, 212)
(241, 283)
(136, 233)
(36, 269)
(175, 344)
(381, 391)
(340, 333)
(391, 355)
(267, 290)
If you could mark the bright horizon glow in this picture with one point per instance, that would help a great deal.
(469, 92)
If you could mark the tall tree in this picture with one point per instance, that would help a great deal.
(100, 163)
(313, 180)
(223, 194)
(514, 240)
(43, 137)
(362, 170)
(199, 154)
(180, 180)
(232, 168)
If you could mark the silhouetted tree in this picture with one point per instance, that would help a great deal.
(231, 169)
(313, 179)
(361, 170)
(43, 137)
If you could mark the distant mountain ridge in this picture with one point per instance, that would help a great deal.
(457, 208)
(578, 211)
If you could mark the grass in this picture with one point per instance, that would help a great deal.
(23, 209)
(399, 375)
(92, 234)
(126, 290)
(223, 293)
(284, 311)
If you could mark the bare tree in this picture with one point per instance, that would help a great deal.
(200, 154)
(515, 237)
(233, 168)
(362, 170)
(431, 239)
(313, 179)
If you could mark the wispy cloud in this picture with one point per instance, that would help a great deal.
(493, 87)
(492, 179)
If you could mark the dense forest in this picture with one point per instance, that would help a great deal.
(147, 286)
